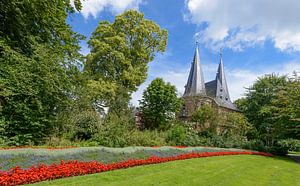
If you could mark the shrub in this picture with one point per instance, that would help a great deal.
(177, 135)
(255, 144)
(290, 144)
(145, 138)
(205, 118)
(78, 125)
(114, 129)
(277, 149)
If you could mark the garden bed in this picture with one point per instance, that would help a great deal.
(29, 165)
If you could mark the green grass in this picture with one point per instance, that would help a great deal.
(225, 170)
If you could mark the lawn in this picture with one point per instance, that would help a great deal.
(225, 170)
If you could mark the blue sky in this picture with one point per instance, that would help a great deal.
(257, 37)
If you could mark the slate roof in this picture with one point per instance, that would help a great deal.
(195, 85)
(216, 89)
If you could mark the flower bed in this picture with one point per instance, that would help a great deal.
(37, 147)
(27, 157)
(17, 176)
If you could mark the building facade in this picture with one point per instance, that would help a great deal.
(197, 93)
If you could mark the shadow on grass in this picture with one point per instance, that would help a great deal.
(294, 157)
(288, 158)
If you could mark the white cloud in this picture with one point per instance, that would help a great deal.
(237, 79)
(94, 7)
(237, 24)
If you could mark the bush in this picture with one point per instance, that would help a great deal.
(177, 135)
(145, 138)
(255, 144)
(120, 131)
(113, 131)
(290, 144)
(277, 149)
(78, 125)
(111, 135)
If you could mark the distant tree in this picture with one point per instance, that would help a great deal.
(159, 104)
(120, 53)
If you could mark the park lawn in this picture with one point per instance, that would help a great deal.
(222, 170)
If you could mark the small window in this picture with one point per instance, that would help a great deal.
(226, 99)
(184, 111)
(221, 90)
(221, 97)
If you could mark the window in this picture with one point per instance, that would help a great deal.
(184, 111)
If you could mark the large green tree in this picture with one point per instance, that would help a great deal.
(159, 104)
(120, 53)
(39, 56)
(287, 105)
(272, 106)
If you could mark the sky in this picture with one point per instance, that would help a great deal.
(257, 37)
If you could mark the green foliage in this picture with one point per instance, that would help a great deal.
(235, 124)
(277, 149)
(146, 138)
(177, 135)
(287, 105)
(205, 118)
(121, 51)
(39, 54)
(159, 104)
(26, 24)
(290, 144)
(79, 125)
(272, 106)
(119, 131)
(113, 132)
(43, 95)
(254, 144)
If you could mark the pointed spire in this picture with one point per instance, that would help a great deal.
(222, 90)
(195, 84)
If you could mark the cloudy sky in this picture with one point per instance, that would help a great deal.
(258, 37)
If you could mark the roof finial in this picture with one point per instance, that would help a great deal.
(221, 52)
(197, 43)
